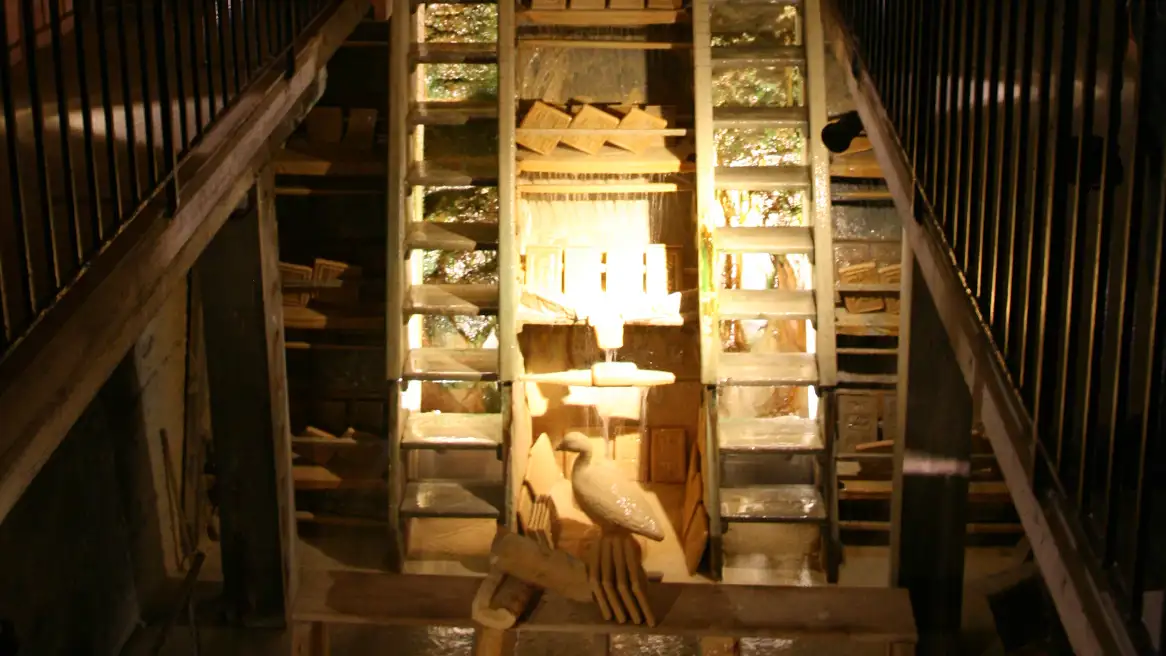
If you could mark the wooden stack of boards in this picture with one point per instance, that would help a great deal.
(543, 116)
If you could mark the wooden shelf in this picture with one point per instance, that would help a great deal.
(603, 44)
(315, 477)
(767, 369)
(308, 318)
(978, 491)
(609, 160)
(303, 158)
(307, 517)
(600, 188)
(602, 17)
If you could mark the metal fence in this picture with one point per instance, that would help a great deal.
(1035, 129)
(102, 99)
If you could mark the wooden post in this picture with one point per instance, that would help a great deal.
(929, 519)
(243, 326)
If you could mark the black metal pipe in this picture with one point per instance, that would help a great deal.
(27, 290)
(44, 195)
(208, 37)
(128, 107)
(221, 23)
(179, 78)
(107, 106)
(195, 82)
(96, 225)
(237, 76)
(169, 176)
(69, 184)
(147, 101)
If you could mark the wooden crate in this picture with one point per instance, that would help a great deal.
(544, 270)
(669, 455)
(582, 273)
(638, 119)
(295, 273)
(891, 275)
(864, 273)
(592, 117)
(542, 115)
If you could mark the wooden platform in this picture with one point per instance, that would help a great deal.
(879, 615)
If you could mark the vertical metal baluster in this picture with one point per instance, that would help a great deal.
(96, 224)
(988, 191)
(147, 103)
(290, 38)
(220, 21)
(232, 19)
(16, 198)
(195, 83)
(1013, 139)
(166, 105)
(208, 35)
(107, 111)
(179, 78)
(127, 99)
(245, 21)
(36, 107)
(69, 184)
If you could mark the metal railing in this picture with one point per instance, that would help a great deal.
(1036, 135)
(102, 100)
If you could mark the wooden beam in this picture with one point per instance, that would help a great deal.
(50, 378)
(880, 615)
(243, 327)
(1084, 604)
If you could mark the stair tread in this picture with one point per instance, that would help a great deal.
(448, 364)
(759, 55)
(453, 299)
(792, 304)
(452, 430)
(767, 369)
(746, 117)
(468, 172)
(457, 236)
(453, 499)
(773, 503)
(780, 240)
(454, 53)
(790, 176)
(451, 112)
(769, 434)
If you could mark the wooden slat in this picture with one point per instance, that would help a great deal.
(452, 430)
(447, 499)
(978, 491)
(765, 304)
(301, 158)
(760, 117)
(776, 240)
(308, 318)
(440, 364)
(758, 56)
(467, 172)
(769, 435)
(768, 369)
(772, 504)
(874, 614)
(452, 300)
(453, 53)
(609, 160)
(315, 477)
(762, 178)
(602, 17)
(429, 235)
(451, 113)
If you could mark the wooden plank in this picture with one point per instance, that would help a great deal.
(603, 17)
(325, 125)
(302, 158)
(877, 615)
(362, 123)
(609, 160)
(75, 348)
(241, 302)
(669, 453)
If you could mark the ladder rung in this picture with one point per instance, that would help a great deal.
(778, 240)
(462, 499)
(772, 504)
(452, 299)
(760, 117)
(769, 435)
(467, 173)
(761, 178)
(758, 56)
(759, 369)
(452, 430)
(451, 113)
(449, 365)
(459, 236)
(766, 304)
(454, 53)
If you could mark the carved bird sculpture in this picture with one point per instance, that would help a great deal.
(606, 495)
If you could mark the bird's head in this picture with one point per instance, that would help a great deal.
(575, 442)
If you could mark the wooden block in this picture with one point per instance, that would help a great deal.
(638, 119)
(362, 123)
(866, 272)
(669, 455)
(594, 118)
(348, 275)
(696, 539)
(325, 125)
(857, 420)
(625, 4)
(656, 276)
(892, 275)
(548, 569)
(295, 273)
(544, 270)
(542, 115)
(625, 273)
(582, 273)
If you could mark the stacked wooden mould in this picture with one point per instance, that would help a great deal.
(543, 116)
